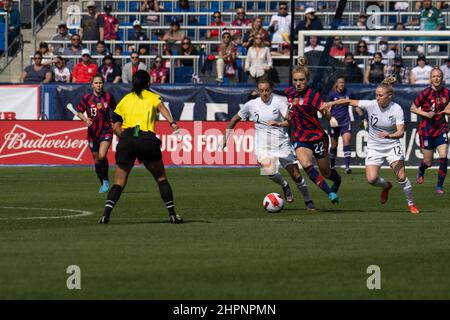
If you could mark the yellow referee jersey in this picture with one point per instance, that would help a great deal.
(139, 110)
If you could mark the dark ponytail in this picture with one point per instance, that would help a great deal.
(141, 81)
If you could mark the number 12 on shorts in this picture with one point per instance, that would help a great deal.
(397, 150)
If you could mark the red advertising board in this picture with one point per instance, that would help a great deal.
(64, 143)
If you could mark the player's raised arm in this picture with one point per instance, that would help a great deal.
(230, 128)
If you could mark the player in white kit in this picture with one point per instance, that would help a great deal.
(272, 143)
(386, 127)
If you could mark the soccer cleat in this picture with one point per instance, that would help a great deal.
(103, 220)
(419, 178)
(413, 209)
(348, 170)
(105, 187)
(439, 190)
(175, 219)
(288, 194)
(385, 193)
(310, 206)
(333, 198)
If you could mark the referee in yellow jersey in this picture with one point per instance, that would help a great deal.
(134, 123)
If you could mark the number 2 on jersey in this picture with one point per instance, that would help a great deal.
(397, 150)
(373, 120)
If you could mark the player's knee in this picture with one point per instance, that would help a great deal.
(401, 176)
(428, 162)
(372, 180)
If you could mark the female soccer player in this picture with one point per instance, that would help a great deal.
(134, 123)
(340, 124)
(431, 104)
(272, 144)
(98, 107)
(386, 127)
(307, 136)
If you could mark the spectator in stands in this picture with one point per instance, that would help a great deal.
(62, 35)
(187, 49)
(60, 71)
(91, 27)
(110, 71)
(37, 72)
(110, 24)
(430, 18)
(138, 35)
(173, 35)
(385, 51)
(143, 50)
(259, 60)
(302, 5)
(213, 33)
(240, 21)
(397, 47)
(399, 70)
(362, 50)
(130, 68)
(353, 73)
(420, 74)
(314, 45)
(85, 69)
(362, 20)
(256, 29)
(338, 49)
(13, 16)
(184, 6)
(100, 49)
(226, 62)
(446, 71)
(47, 55)
(311, 22)
(74, 49)
(158, 72)
(280, 25)
(151, 6)
(376, 70)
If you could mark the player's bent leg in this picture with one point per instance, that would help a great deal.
(327, 172)
(104, 165)
(121, 178)
(373, 178)
(405, 183)
(158, 171)
(300, 181)
(443, 164)
(425, 164)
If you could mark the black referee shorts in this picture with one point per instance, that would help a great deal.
(145, 148)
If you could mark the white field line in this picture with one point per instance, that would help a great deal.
(80, 213)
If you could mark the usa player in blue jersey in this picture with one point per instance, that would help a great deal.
(432, 105)
(340, 124)
(307, 135)
(95, 111)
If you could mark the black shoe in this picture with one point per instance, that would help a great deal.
(288, 194)
(175, 219)
(348, 170)
(103, 220)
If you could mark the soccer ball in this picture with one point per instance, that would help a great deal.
(273, 202)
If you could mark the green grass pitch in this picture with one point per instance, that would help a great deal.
(229, 248)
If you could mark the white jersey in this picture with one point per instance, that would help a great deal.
(422, 74)
(382, 119)
(267, 137)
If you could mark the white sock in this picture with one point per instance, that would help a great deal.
(278, 178)
(380, 183)
(303, 188)
(407, 189)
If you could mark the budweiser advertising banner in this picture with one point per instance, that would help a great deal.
(19, 102)
(197, 144)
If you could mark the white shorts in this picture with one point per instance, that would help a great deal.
(285, 155)
(377, 156)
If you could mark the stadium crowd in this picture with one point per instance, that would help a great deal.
(256, 49)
